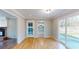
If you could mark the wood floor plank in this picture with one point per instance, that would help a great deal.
(39, 43)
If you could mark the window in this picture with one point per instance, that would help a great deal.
(62, 31)
(69, 31)
(30, 24)
(30, 28)
(41, 28)
(30, 31)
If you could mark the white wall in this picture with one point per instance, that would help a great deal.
(16, 29)
(20, 24)
(47, 24)
(55, 28)
(3, 21)
(20, 29)
(11, 28)
(48, 28)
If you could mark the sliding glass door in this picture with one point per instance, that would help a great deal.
(62, 37)
(73, 32)
(69, 31)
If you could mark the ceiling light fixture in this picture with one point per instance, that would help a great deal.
(48, 10)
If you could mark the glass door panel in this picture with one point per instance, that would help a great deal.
(69, 32)
(73, 32)
(62, 31)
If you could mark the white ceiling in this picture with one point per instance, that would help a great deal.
(3, 13)
(40, 14)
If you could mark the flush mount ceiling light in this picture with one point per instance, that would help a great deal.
(48, 10)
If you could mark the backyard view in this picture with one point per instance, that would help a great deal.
(69, 31)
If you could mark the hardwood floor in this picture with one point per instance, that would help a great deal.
(40, 43)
